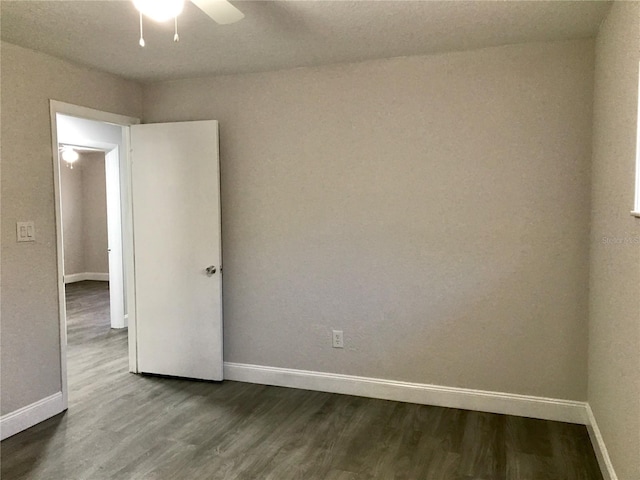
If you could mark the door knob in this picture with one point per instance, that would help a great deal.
(210, 271)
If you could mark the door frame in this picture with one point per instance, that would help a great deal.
(115, 237)
(86, 113)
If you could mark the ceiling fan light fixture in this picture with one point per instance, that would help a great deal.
(159, 10)
(220, 11)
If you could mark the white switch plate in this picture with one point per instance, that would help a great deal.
(26, 231)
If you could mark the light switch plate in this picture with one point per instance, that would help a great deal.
(26, 231)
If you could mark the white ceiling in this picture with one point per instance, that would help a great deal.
(284, 34)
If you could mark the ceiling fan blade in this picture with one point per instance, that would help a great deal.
(221, 11)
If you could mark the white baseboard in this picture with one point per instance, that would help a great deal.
(599, 447)
(452, 397)
(28, 416)
(464, 398)
(79, 277)
(74, 277)
(125, 323)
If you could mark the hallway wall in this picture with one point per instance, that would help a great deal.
(84, 212)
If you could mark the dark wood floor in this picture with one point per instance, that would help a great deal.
(124, 426)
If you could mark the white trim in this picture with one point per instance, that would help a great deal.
(80, 277)
(452, 397)
(97, 277)
(27, 417)
(62, 304)
(90, 114)
(126, 191)
(636, 200)
(599, 447)
(114, 236)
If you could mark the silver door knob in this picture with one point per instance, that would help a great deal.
(210, 271)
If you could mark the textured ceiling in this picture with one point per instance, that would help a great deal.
(284, 34)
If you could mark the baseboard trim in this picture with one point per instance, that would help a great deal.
(599, 447)
(74, 277)
(453, 397)
(80, 277)
(27, 417)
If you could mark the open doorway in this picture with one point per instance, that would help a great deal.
(90, 201)
(95, 323)
(174, 308)
(94, 225)
(94, 291)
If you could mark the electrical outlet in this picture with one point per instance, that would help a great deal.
(338, 341)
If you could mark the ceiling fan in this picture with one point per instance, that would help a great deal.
(220, 11)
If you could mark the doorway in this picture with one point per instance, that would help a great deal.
(173, 308)
(92, 217)
(89, 319)
(95, 263)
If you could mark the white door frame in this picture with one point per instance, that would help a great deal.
(114, 238)
(56, 107)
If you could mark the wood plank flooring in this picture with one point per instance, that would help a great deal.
(124, 426)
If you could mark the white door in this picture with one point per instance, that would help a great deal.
(177, 248)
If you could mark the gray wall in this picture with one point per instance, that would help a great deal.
(72, 218)
(434, 208)
(614, 327)
(84, 215)
(30, 344)
(94, 193)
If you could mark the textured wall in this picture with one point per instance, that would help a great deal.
(30, 346)
(614, 327)
(72, 218)
(434, 208)
(94, 192)
(84, 213)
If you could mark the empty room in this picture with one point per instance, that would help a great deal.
(340, 240)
